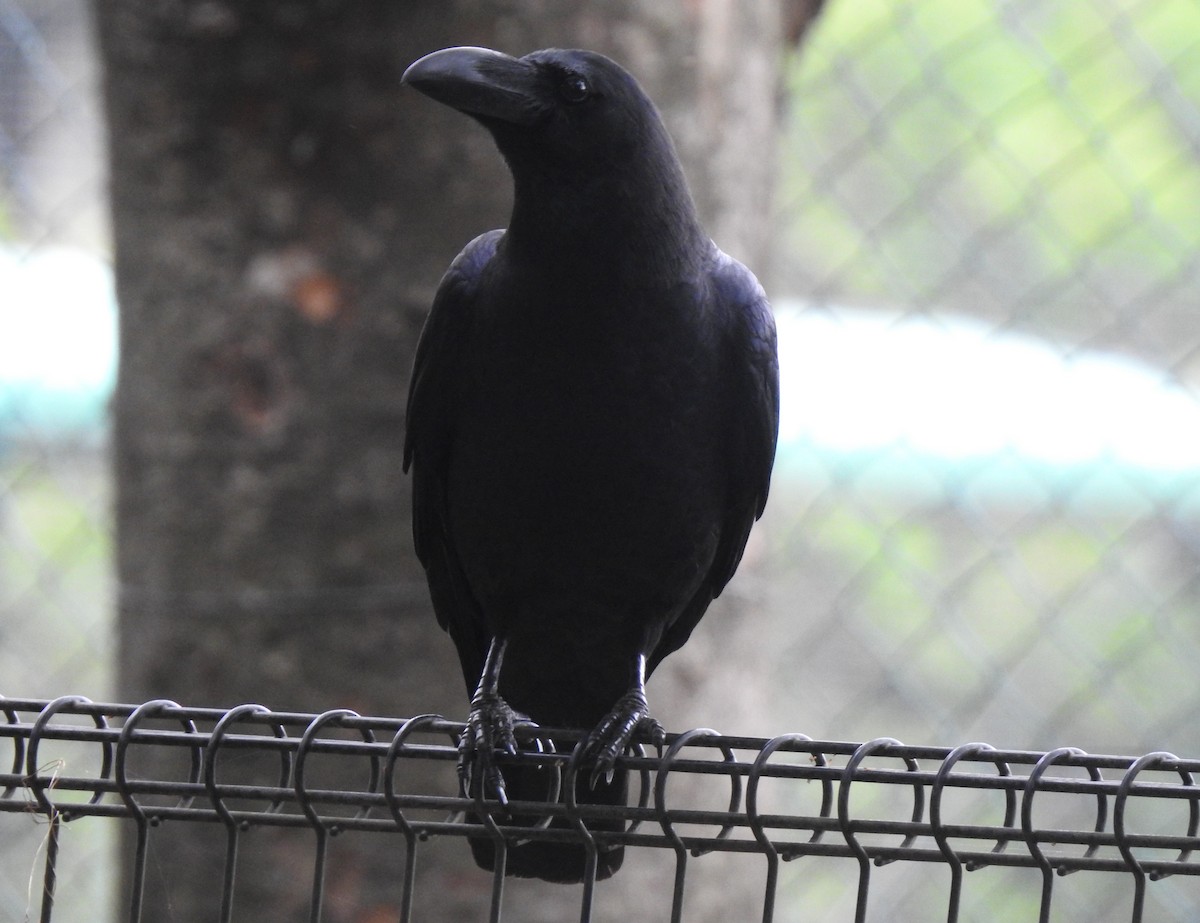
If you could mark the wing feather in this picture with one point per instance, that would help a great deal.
(751, 426)
(434, 398)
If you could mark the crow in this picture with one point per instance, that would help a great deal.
(591, 426)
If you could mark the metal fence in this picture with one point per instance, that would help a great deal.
(57, 353)
(984, 524)
(761, 780)
(988, 222)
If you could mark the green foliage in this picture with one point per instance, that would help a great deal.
(978, 607)
(1058, 129)
(54, 561)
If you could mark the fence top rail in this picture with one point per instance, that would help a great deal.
(788, 796)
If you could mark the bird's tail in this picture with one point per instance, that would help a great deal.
(562, 862)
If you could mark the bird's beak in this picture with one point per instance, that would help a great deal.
(479, 82)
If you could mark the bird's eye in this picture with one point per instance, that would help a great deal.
(574, 88)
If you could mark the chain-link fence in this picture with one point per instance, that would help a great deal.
(57, 352)
(57, 336)
(990, 212)
(985, 517)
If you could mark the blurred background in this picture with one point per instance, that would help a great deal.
(985, 521)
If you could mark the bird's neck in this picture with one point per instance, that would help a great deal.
(626, 226)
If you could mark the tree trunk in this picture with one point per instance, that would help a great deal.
(282, 212)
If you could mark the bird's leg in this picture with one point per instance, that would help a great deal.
(628, 721)
(489, 727)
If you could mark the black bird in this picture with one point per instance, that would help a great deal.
(591, 423)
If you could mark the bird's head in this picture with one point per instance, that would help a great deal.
(591, 159)
(558, 114)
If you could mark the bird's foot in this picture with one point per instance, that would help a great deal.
(629, 722)
(490, 725)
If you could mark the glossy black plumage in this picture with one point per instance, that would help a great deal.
(591, 420)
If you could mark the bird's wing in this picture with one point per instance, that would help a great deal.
(433, 401)
(750, 379)
(752, 373)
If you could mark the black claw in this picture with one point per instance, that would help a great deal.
(601, 771)
(651, 731)
(490, 728)
(629, 722)
(496, 784)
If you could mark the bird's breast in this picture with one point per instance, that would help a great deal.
(588, 455)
